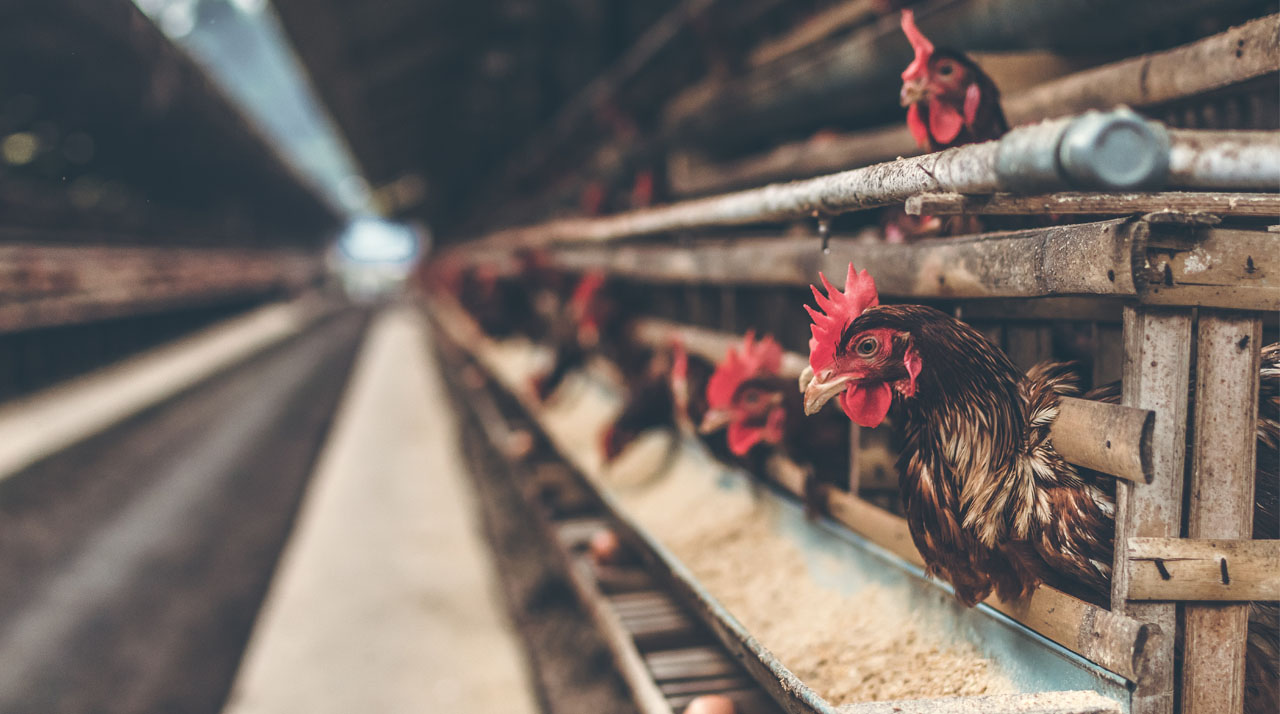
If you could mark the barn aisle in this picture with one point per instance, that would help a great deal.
(385, 599)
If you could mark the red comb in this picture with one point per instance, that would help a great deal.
(921, 44)
(838, 310)
(585, 292)
(750, 359)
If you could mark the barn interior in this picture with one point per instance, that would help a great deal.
(686, 356)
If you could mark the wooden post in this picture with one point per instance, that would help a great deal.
(1157, 368)
(1221, 503)
(1029, 345)
(1108, 353)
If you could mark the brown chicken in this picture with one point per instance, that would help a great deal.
(990, 504)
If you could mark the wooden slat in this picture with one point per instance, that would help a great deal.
(1156, 374)
(1085, 259)
(41, 286)
(1222, 268)
(1109, 438)
(1204, 569)
(1221, 503)
(1218, 204)
(834, 19)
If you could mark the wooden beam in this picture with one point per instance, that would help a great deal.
(1204, 569)
(1110, 438)
(820, 26)
(1221, 503)
(1189, 265)
(1156, 375)
(1217, 267)
(42, 285)
(1117, 204)
(1086, 259)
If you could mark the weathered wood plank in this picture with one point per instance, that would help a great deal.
(42, 286)
(1110, 438)
(1221, 503)
(1204, 569)
(1085, 259)
(834, 19)
(1214, 267)
(1157, 372)
(1008, 204)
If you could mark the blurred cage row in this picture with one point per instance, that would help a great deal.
(1092, 187)
(628, 204)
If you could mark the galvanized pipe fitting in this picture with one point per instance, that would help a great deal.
(1110, 151)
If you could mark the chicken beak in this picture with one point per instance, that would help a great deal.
(805, 377)
(715, 420)
(819, 392)
(914, 91)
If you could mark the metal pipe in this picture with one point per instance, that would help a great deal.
(1244, 160)
(1114, 150)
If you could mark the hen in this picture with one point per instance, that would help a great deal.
(950, 101)
(761, 414)
(990, 504)
(595, 319)
(672, 395)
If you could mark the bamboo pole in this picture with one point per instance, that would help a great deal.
(1156, 375)
(1221, 504)
(1025, 157)
(1237, 570)
(1101, 204)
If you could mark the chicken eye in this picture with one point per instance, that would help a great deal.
(946, 68)
(867, 346)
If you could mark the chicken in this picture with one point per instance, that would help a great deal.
(991, 506)
(950, 101)
(672, 396)
(761, 414)
(594, 320)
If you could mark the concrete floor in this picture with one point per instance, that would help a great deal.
(386, 599)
